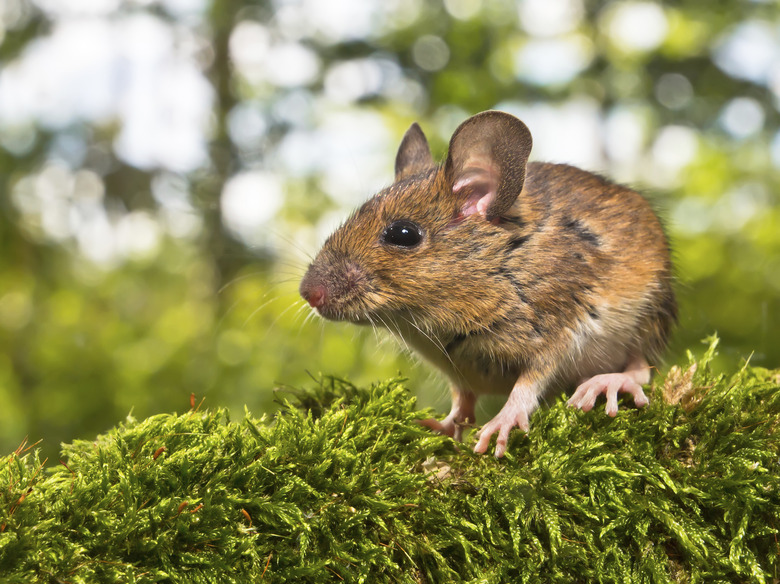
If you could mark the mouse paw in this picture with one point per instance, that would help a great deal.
(503, 423)
(461, 415)
(608, 384)
(449, 426)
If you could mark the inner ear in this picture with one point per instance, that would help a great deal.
(414, 154)
(486, 163)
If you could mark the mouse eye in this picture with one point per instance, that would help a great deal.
(403, 233)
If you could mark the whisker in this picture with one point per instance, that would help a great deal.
(289, 280)
(276, 320)
(238, 279)
(256, 310)
(297, 275)
(393, 326)
(292, 243)
(374, 327)
(290, 265)
(303, 305)
(271, 289)
(436, 342)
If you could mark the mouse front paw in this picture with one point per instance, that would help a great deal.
(609, 385)
(507, 419)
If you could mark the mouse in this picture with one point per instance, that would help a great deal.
(517, 278)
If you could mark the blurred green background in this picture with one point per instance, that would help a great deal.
(168, 166)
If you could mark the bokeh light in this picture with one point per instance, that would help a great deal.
(171, 165)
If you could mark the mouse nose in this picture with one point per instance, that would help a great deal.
(314, 294)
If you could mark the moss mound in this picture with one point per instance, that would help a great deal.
(342, 485)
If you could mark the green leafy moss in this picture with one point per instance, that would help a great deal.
(342, 484)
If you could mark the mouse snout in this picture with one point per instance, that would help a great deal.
(334, 292)
(315, 295)
(313, 291)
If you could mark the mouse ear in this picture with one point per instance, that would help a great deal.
(414, 155)
(486, 162)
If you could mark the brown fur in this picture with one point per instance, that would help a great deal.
(565, 275)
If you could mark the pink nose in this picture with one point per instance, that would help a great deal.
(315, 295)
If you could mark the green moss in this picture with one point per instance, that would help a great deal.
(343, 485)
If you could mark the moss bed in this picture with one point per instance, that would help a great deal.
(342, 485)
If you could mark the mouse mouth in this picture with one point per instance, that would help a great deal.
(345, 314)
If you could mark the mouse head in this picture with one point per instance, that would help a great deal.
(419, 249)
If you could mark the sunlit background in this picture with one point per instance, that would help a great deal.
(168, 166)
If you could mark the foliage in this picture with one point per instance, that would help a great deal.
(82, 343)
(350, 489)
(94, 353)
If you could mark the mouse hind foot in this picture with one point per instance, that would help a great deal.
(461, 415)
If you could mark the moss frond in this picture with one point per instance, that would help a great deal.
(343, 485)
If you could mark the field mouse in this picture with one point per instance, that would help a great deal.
(511, 277)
